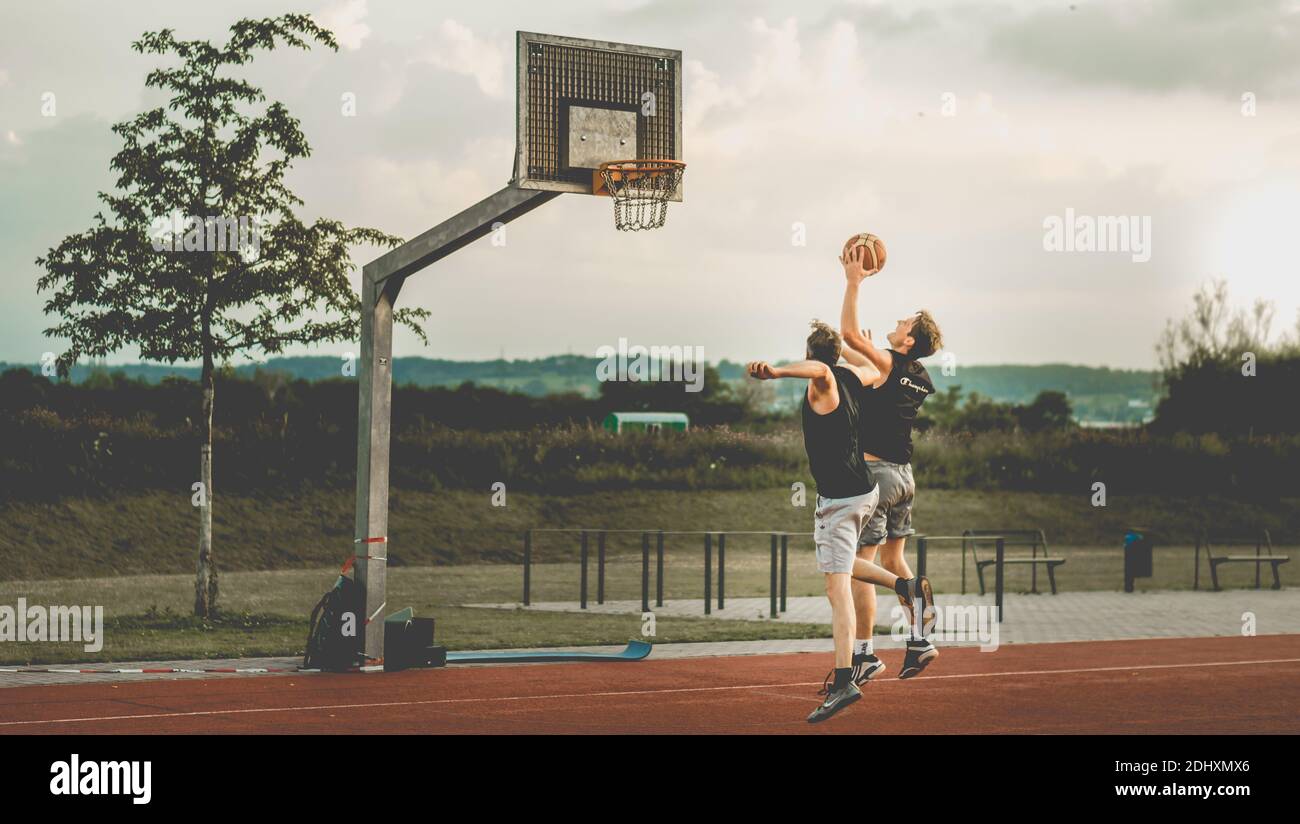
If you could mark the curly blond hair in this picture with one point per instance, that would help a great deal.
(925, 332)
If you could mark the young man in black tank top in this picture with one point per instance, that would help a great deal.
(888, 409)
(846, 494)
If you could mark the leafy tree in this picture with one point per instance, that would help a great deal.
(981, 414)
(215, 152)
(941, 409)
(945, 410)
(1213, 332)
(1223, 373)
(1049, 411)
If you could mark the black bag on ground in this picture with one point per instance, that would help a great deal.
(328, 648)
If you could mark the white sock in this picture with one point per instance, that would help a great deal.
(866, 646)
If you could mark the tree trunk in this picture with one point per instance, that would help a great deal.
(205, 584)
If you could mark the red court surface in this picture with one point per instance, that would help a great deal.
(1152, 686)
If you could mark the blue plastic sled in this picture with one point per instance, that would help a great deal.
(636, 650)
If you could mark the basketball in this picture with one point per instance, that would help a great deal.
(874, 256)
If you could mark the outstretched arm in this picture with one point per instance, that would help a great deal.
(822, 392)
(854, 339)
(815, 371)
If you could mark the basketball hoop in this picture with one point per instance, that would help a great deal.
(641, 190)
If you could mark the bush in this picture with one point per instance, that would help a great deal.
(60, 440)
(1127, 461)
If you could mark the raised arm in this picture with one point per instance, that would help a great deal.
(856, 359)
(854, 339)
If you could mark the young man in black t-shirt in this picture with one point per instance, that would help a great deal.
(846, 493)
(888, 410)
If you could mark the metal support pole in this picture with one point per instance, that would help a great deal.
(997, 578)
(381, 280)
(583, 585)
(1033, 569)
(528, 567)
(659, 569)
(1257, 564)
(963, 565)
(722, 570)
(645, 571)
(600, 567)
(771, 613)
(708, 573)
(374, 415)
(1196, 571)
(785, 541)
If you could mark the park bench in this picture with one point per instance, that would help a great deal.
(1032, 538)
(1218, 547)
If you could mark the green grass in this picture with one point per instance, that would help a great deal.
(135, 556)
(265, 613)
(155, 533)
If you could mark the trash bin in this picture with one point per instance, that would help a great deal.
(1138, 544)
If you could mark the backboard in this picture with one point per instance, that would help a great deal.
(586, 102)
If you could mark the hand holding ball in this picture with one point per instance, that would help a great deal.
(863, 255)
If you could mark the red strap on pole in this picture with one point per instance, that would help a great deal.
(347, 565)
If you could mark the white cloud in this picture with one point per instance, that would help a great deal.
(457, 49)
(344, 20)
(411, 196)
(1159, 45)
(831, 119)
(777, 53)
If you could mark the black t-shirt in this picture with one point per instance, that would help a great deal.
(888, 412)
(831, 441)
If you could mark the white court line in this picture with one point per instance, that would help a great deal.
(619, 693)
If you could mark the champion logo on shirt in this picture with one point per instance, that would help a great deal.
(911, 385)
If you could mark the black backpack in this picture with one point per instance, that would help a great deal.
(327, 647)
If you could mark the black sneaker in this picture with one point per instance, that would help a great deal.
(866, 667)
(919, 655)
(836, 700)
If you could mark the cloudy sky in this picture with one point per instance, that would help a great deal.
(951, 129)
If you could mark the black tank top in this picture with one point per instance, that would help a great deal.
(887, 413)
(831, 441)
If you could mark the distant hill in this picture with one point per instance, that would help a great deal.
(1099, 395)
(544, 376)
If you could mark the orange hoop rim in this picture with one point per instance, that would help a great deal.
(622, 173)
(643, 165)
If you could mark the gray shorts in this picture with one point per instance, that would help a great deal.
(893, 515)
(836, 527)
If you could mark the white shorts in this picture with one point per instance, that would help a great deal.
(836, 528)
